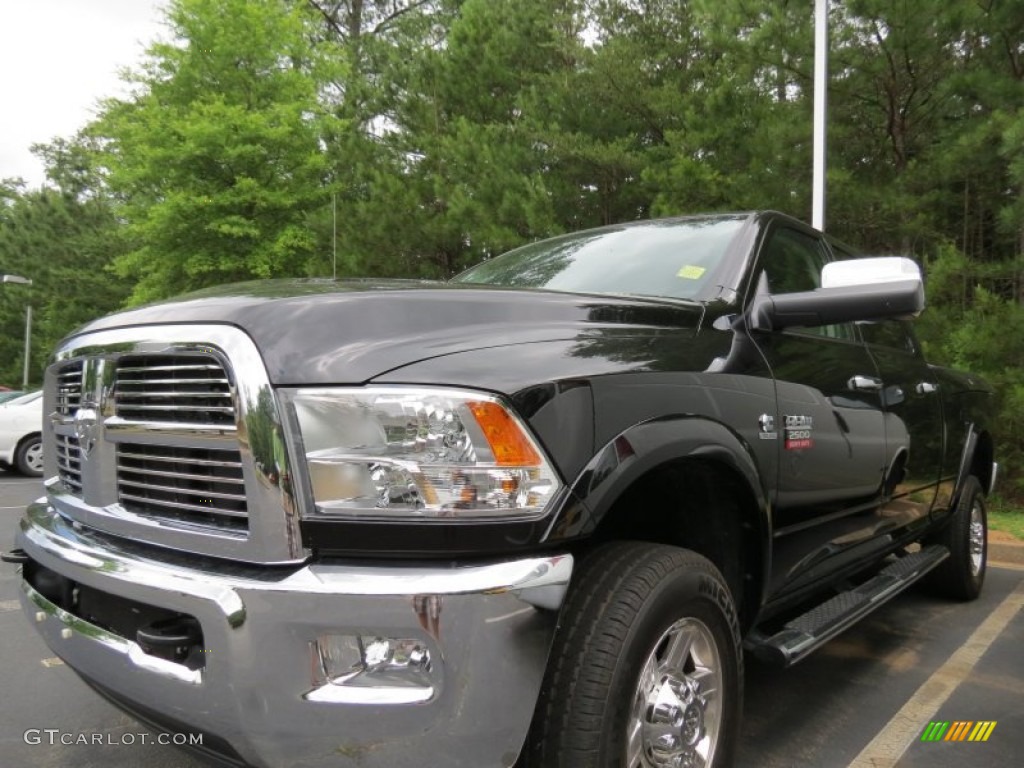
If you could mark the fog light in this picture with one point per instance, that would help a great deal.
(367, 669)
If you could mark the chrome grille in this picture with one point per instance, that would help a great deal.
(173, 388)
(171, 435)
(198, 486)
(69, 463)
(69, 388)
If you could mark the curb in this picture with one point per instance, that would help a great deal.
(1006, 553)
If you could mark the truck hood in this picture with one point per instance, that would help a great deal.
(348, 332)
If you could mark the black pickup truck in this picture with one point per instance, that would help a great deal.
(533, 516)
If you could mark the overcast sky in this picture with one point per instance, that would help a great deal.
(57, 58)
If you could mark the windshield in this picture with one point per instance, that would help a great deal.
(24, 399)
(677, 259)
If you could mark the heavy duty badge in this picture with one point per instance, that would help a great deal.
(799, 431)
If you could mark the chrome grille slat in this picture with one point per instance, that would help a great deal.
(170, 433)
(69, 388)
(68, 465)
(183, 475)
(182, 367)
(127, 454)
(151, 394)
(122, 380)
(184, 408)
(189, 388)
(212, 511)
(200, 492)
(153, 479)
(69, 461)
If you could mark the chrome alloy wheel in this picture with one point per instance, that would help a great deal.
(976, 538)
(677, 706)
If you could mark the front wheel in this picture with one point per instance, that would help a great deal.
(646, 668)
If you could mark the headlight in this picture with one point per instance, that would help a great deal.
(399, 452)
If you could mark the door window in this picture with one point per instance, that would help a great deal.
(791, 262)
(893, 334)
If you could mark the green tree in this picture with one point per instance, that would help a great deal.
(64, 245)
(741, 135)
(440, 168)
(216, 157)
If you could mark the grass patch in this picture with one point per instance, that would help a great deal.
(1006, 517)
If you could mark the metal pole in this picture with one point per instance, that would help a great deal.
(820, 107)
(28, 344)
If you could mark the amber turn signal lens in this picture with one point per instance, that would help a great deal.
(511, 448)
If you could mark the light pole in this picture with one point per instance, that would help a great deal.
(18, 279)
(820, 111)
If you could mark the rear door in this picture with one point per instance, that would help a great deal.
(915, 436)
(913, 412)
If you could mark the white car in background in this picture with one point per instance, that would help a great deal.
(21, 421)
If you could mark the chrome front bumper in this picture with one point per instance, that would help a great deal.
(487, 630)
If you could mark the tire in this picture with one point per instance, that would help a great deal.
(29, 457)
(646, 666)
(962, 575)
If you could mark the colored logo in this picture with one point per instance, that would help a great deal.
(958, 730)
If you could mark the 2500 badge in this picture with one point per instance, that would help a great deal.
(799, 432)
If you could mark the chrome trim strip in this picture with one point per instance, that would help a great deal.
(273, 534)
(129, 648)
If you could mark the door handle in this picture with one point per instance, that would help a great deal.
(926, 388)
(865, 384)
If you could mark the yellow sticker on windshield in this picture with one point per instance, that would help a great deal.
(690, 272)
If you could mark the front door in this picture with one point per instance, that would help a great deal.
(829, 422)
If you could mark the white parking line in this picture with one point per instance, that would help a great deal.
(9, 605)
(906, 725)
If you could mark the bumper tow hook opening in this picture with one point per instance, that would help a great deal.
(16, 556)
(174, 638)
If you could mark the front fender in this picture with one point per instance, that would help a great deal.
(645, 446)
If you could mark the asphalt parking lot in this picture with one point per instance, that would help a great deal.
(864, 701)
